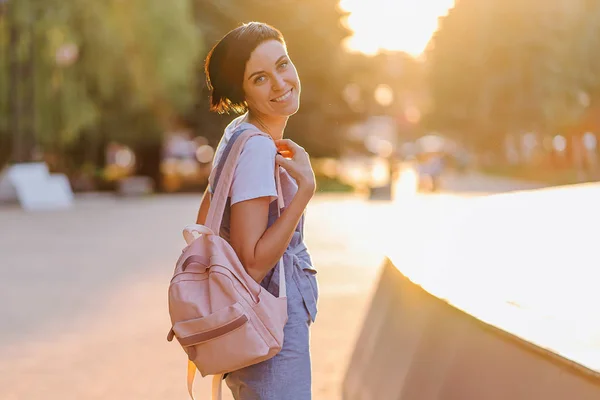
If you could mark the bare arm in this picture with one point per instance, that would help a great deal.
(258, 247)
(204, 205)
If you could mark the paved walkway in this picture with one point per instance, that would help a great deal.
(83, 295)
(473, 183)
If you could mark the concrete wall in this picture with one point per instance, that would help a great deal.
(414, 346)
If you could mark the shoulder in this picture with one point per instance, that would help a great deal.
(255, 171)
(260, 145)
(258, 154)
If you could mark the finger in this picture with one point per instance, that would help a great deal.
(286, 154)
(290, 144)
(283, 146)
(283, 141)
(284, 162)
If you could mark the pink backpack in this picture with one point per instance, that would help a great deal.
(223, 319)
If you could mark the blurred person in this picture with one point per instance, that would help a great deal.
(250, 72)
(430, 171)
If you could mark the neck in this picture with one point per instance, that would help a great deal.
(274, 126)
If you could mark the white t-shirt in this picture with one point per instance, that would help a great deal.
(254, 175)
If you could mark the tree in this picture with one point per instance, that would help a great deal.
(501, 67)
(127, 74)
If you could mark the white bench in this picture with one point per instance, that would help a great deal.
(33, 187)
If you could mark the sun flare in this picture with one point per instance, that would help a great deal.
(396, 25)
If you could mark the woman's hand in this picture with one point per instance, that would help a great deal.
(296, 162)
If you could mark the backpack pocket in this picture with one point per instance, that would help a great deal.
(221, 342)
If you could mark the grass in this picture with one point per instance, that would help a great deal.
(332, 185)
(546, 175)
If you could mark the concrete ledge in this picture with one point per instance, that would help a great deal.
(415, 346)
(135, 186)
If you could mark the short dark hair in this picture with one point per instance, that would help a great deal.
(226, 62)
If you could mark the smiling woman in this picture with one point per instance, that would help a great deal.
(267, 184)
(397, 25)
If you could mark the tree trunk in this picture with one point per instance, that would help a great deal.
(14, 80)
(28, 98)
(148, 157)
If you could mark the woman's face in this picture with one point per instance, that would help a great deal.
(271, 83)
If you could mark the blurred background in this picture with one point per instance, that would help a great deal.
(429, 98)
(101, 92)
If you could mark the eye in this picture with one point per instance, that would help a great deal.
(283, 64)
(259, 79)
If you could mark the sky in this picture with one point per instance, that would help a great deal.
(400, 25)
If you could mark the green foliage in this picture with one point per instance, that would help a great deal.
(500, 66)
(137, 72)
(132, 74)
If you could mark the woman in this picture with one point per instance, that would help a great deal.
(250, 72)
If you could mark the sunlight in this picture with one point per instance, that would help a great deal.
(397, 25)
(406, 186)
(504, 258)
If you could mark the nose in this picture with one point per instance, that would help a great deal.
(278, 83)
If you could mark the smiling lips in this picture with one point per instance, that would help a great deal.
(284, 97)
